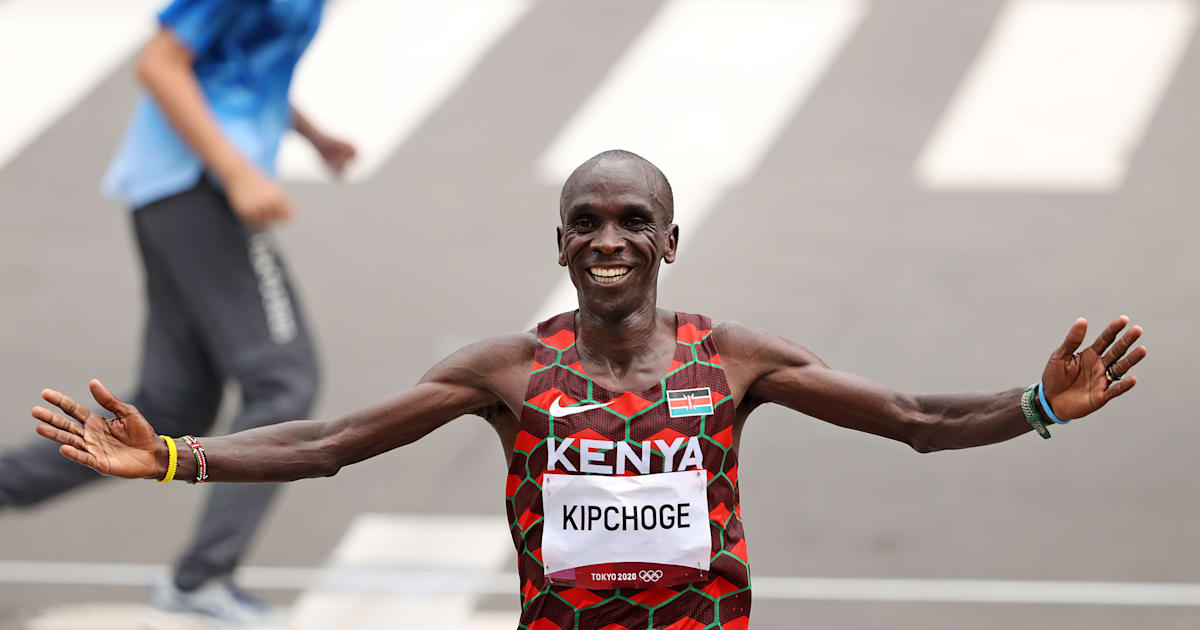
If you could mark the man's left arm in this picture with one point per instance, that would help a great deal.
(773, 369)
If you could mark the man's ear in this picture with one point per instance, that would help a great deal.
(562, 256)
(672, 244)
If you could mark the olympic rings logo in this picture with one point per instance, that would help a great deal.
(648, 575)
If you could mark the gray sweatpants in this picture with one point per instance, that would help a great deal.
(220, 307)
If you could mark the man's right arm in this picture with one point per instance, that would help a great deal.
(312, 448)
(164, 67)
(473, 378)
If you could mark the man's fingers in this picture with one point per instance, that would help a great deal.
(1118, 350)
(60, 436)
(58, 428)
(57, 421)
(1122, 367)
(1109, 335)
(1074, 338)
(64, 402)
(108, 401)
(1120, 387)
(78, 456)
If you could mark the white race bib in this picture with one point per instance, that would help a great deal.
(617, 527)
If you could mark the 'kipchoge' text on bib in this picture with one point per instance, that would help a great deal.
(641, 531)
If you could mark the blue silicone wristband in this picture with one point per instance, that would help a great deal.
(1046, 406)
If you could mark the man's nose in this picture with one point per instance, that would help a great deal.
(607, 241)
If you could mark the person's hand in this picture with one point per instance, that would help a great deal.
(1077, 384)
(335, 152)
(256, 199)
(124, 446)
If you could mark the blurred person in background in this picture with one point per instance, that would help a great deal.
(197, 167)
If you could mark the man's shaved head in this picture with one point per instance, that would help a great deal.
(656, 184)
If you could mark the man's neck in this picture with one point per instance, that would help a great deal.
(618, 341)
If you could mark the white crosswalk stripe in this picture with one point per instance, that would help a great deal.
(702, 93)
(377, 68)
(1058, 99)
(379, 541)
(53, 52)
(1060, 95)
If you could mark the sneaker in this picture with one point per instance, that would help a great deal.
(220, 599)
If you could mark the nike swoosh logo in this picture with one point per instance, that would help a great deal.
(559, 411)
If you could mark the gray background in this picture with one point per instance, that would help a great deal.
(831, 243)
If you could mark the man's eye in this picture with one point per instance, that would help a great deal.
(636, 224)
(584, 224)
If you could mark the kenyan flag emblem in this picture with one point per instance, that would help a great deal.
(689, 402)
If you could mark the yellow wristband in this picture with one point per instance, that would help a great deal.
(172, 461)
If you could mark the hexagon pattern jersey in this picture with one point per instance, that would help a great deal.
(721, 599)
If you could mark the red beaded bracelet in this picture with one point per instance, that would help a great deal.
(201, 462)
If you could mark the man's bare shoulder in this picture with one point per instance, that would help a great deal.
(516, 349)
(736, 339)
(750, 346)
(497, 365)
(502, 352)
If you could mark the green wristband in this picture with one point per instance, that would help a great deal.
(1032, 416)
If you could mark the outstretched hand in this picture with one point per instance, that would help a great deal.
(1077, 384)
(124, 446)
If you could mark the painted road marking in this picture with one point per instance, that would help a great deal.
(368, 583)
(377, 570)
(53, 52)
(1060, 95)
(451, 544)
(119, 616)
(377, 68)
(702, 92)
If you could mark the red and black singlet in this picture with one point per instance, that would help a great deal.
(696, 389)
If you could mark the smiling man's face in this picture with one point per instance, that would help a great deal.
(616, 229)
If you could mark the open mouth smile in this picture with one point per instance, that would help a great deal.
(608, 275)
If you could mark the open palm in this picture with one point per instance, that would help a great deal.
(124, 446)
(1075, 384)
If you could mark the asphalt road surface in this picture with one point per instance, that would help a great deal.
(828, 236)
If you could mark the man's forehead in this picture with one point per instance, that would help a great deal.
(619, 183)
(610, 202)
(612, 175)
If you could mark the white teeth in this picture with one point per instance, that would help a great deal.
(608, 274)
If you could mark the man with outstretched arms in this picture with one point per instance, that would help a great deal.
(620, 422)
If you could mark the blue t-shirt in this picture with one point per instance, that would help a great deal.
(244, 54)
